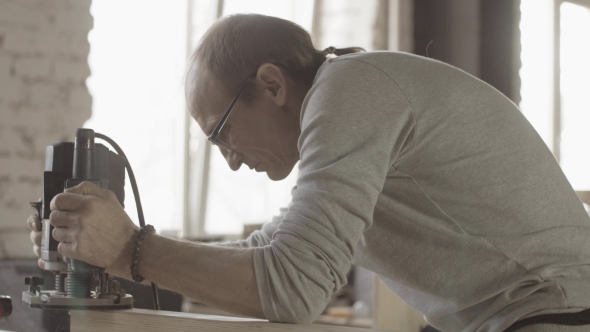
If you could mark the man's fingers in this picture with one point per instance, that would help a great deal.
(66, 249)
(66, 202)
(36, 238)
(37, 251)
(41, 264)
(61, 218)
(62, 234)
(87, 188)
(34, 223)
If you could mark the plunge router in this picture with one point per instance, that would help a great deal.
(78, 285)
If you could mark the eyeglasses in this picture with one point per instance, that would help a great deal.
(213, 137)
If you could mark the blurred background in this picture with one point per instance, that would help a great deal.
(117, 66)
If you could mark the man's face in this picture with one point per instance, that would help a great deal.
(262, 134)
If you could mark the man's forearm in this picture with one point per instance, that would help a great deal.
(222, 277)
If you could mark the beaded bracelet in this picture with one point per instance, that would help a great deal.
(135, 259)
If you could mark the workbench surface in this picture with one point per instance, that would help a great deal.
(150, 320)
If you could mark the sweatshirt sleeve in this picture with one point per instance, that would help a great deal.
(259, 238)
(355, 122)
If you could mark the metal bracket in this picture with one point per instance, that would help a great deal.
(34, 283)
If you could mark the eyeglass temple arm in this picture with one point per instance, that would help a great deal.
(228, 111)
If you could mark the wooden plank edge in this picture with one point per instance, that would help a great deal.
(150, 320)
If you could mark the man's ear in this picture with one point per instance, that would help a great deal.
(274, 81)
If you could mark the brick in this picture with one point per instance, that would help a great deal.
(33, 68)
(63, 133)
(76, 72)
(66, 129)
(50, 42)
(24, 142)
(5, 68)
(6, 186)
(17, 245)
(45, 6)
(3, 32)
(73, 20)
(17, 168)
(80, 98)
(6, 139)
(46, 43)
(78, 46)
(43, 99)
(12, 92)
(19, 14)
(83, 5)
(46, 94)
(27, 186)
(28, 117)
(20, 41)
(16, 202)
(6, 81)
(14, 216)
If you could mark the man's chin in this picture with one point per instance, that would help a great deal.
(275, 176)
(279, 174)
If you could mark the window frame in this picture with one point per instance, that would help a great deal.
(195, 163)
(556, 77)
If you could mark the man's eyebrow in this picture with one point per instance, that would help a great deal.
(214, 121)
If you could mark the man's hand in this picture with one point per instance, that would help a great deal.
(34, 224)
(91, 226)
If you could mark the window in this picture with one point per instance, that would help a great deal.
(137, 58)
(228, 200)
(556, 79)
(139, 52)
(222, 201)
(137, 85)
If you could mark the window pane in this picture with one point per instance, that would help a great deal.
(346, 23)
(137, 58)
(237, 198)
(242, 197)
(575, 88)
(537, 65)
(298, 11)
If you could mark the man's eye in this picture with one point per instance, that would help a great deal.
(222, 136)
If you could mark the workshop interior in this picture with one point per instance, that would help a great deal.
(93, 91)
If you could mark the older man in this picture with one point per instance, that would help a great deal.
(409, 167)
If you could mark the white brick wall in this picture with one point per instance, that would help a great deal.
(43, 99)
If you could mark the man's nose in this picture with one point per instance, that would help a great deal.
(234, 159)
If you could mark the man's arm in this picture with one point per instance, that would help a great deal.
(218, 276)
(92, 226)
(259, 238)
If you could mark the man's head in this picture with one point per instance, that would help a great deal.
(278, 62)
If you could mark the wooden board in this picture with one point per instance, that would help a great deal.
(390, 313)
(584, 195)
(149, 320)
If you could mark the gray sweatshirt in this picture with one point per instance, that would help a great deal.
(436, 182)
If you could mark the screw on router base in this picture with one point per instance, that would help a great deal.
(82, 291)
(60, 282)
(78, 284)
(5, 306)
(34, 283)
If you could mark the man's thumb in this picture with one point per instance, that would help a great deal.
(86, 188)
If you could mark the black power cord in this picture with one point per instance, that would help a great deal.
(137, 200)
